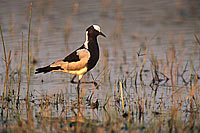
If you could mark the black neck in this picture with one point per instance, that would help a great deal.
(94, 52)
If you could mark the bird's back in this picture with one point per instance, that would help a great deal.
(73, 57)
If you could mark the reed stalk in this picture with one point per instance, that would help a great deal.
(144, 62)
(4, 48)
(122, 97)
(28, 61)
(5, 59)
(20, 69)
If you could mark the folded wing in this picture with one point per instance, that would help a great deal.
(68, 64)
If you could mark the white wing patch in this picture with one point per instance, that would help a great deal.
(77, 68)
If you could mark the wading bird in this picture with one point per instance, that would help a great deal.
(81, 60)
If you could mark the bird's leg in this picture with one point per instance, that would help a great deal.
(72, 81)
(78, 88)
(90, 82)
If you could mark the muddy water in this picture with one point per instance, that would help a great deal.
(57, 28)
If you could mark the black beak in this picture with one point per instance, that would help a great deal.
(100, 33)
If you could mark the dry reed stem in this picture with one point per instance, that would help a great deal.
(122, 97)
(28, 61)
(7, 72)
(20, 69)
(3, 44)
(5, 59)
(144, 62)
(197, 39)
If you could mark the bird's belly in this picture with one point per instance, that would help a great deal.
(77, 72)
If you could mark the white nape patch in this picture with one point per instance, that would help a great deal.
(86, 40)
(96, 27)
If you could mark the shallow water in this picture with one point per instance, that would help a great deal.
(128, 26)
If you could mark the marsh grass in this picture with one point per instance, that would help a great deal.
(131, 110)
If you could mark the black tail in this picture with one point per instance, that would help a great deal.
(47, 69)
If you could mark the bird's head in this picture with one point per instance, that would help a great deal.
(94, 30)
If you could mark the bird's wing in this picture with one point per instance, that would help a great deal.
(75, 61)
(73, 57)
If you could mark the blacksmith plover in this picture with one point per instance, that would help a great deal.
(81, 60)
